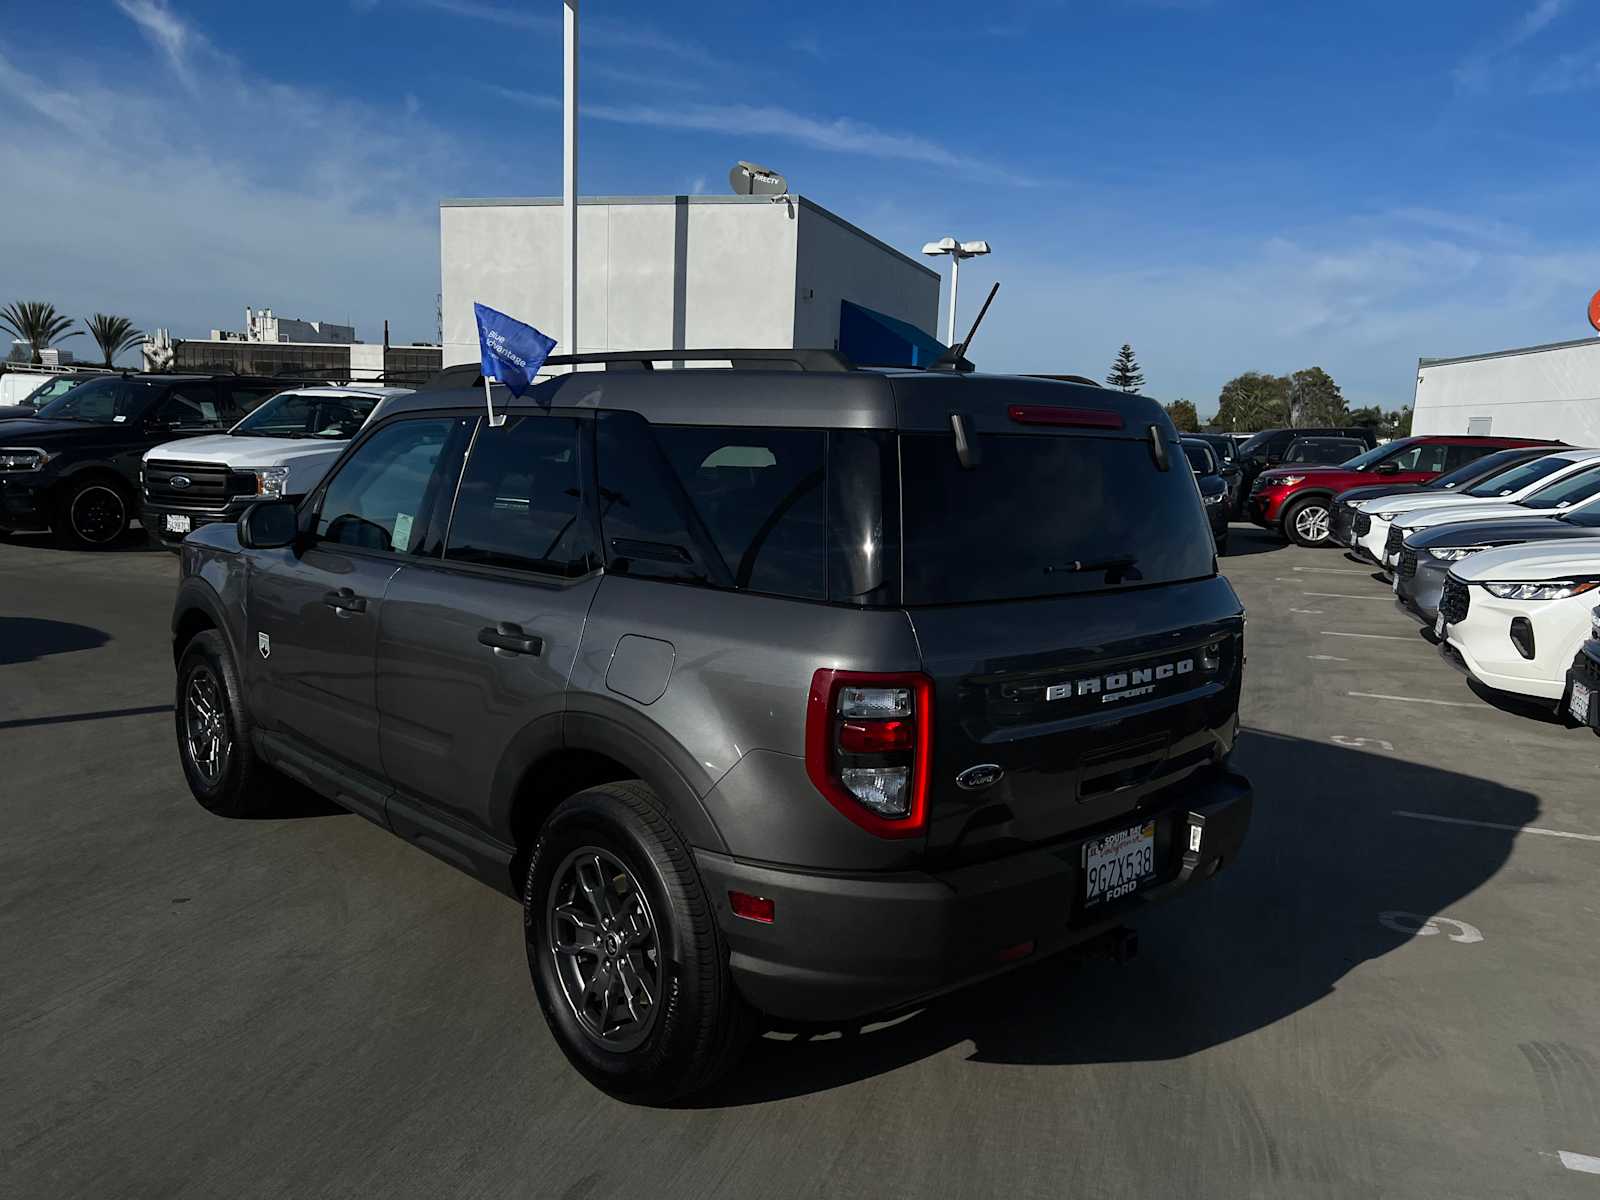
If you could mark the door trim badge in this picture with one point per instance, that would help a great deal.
(264, 645)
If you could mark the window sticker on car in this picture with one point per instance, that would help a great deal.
(120, 418)
(402, 531)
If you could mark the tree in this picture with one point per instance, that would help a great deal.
(115, 334)
(1370, 417)
(1400, 423)
(1125, 374)
(1184, 416)
(38, 324)
(1254, 400)
(1315, 399)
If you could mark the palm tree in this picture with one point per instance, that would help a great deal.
(115, 334)
(38, 324)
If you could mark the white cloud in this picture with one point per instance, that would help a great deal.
(1482, 69)
(1573, 72)
(167, 32)
(601, 33)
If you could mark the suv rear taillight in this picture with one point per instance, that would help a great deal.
(869, 747)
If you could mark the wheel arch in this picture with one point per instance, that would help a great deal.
(196, 609)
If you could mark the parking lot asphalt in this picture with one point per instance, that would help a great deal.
(1377, 999)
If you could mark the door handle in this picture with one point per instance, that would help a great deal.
(509, 637)
(345, 600)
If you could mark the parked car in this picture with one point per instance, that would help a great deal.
(1515, 617)
(1227, 452)
(26, 401)
(1349, 524)
(1266, 449)
(713, 689)
(74, 468)
(1426, 556)
(1213, 488)
(1322, 451)
(1559, 491)
(1296, 502)
(279, 451)
(1583, 678)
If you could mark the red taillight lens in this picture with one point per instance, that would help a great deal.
(869, 747)
(876, 737)
(1046, 414)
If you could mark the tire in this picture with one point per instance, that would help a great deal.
(1222, 545)
(233, 783)
(613, 854)
(1308, 521)
(93, 514)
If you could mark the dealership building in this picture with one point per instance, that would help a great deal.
(1549, 391)
(682, 273)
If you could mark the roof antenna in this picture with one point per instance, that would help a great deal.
(956, 357)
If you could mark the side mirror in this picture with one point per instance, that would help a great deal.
(1388, 468)
(269, 525)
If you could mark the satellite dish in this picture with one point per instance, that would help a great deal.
(749, 179)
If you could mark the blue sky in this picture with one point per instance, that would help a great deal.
(1227, 185)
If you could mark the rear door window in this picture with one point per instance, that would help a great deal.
(1519, 477)
(1045, 515)
(1563, 493)
(521, 503)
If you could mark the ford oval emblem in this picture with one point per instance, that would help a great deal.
(178, 482)
(981, 776)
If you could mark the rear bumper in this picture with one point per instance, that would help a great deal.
(849, 946)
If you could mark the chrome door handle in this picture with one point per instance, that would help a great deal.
(508, 638)
(345, 600)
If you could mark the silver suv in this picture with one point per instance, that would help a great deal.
(788, 688)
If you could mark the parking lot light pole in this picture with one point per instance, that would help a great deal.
(569, 176)
(957, 251)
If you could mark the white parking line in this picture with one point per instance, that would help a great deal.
(1325, 658)
(1415, 700)
(1586, 1163)
(1333, 571)
(1560, 833)
(1307, 612)
(1378, 637)
(1348, 596)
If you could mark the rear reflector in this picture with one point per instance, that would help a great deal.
(753, 908)
(1083, 418)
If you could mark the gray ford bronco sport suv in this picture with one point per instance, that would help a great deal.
(788, 688)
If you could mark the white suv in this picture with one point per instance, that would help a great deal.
(1517, 615)
(281, 450)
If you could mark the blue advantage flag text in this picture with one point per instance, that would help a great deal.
(511, 352)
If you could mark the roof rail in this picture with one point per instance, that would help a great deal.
(801, 359)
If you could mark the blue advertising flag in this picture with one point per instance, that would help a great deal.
(511, 352)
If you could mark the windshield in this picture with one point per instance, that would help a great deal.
(50, 389)
(1564, 493)
(1519, 477)
(1010, 528)
(1257, 444)
(1376, 455)
(1224, 447)
(1479, 470)
(103, 401)
(297, 415)
(1322, 453)
(1199, 456)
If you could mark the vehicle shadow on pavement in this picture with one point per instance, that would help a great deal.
(24, 639)
(1271, 936)
(1244, 540)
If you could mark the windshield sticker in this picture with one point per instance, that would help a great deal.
(402, 531)
(120, 417)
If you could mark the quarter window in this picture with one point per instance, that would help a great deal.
(521, 504)
(379, 497)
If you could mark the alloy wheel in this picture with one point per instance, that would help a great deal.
(1311, 523)
(205, 726)
(99, 515)
(603, 937)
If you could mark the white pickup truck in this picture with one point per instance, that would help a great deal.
(281, 450)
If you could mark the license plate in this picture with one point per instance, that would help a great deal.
(1438, 627)
(1579, 703)
(1117, 864)
(176, 524)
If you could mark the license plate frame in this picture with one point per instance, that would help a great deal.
(1580, 702)
(177, 523)
(1118, 864)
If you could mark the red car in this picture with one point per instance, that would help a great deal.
(1296, 501)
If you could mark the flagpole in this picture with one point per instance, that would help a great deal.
(569, 177)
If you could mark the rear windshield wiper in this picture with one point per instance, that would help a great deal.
(1118, 566)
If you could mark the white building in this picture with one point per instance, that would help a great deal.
(1550, 391)
(260, 325)
(673, 272)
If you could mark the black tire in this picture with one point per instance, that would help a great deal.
(1222, 544)
(92, 514)
(694, 1028)
(1301, 519)
(240, 784)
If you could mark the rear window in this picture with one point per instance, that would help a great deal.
(1045, 515)
(1200, 460)
(1323, 453)
(1518, 478)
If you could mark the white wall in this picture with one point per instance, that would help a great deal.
(672, 272)
(1550, 392)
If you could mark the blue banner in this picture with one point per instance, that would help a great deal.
(511, 352)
